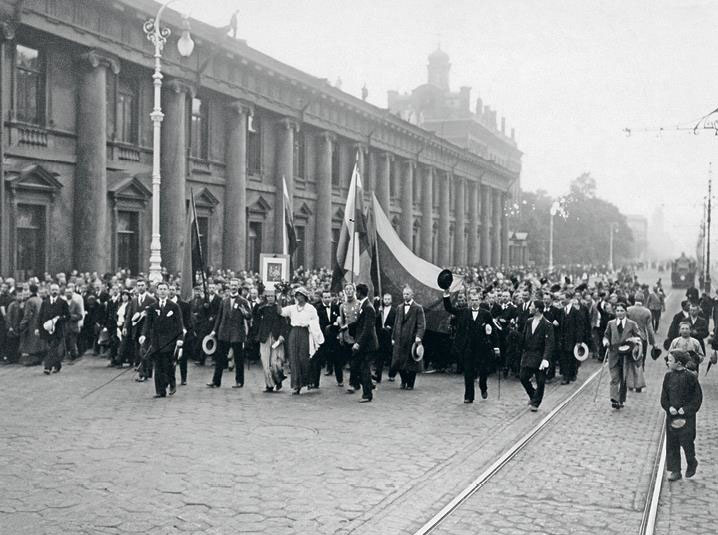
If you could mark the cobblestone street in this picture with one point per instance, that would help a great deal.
(228, 461)
(240, 460)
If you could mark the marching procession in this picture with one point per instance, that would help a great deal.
(524, 325)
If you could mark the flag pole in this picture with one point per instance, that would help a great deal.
(199, 246)
(376, 246)
(352, 240)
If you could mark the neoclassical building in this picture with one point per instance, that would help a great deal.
(76, 84)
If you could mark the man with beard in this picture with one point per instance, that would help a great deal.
(54, 313)
(409, 328)
(72, 329)
(475, 344)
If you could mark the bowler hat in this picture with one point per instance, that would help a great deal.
(445, 279)
(417, 351)
(655, 352)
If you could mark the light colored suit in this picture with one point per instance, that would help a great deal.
(616, 362)
(642, 316)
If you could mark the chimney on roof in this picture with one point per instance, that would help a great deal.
(479, 107)
(503, 125)
(513, 133)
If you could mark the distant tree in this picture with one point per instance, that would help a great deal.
(582, 236)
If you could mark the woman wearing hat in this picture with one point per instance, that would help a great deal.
(305, 337)
(272, 331)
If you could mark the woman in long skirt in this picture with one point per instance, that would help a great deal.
(305, 337)
(272, 331)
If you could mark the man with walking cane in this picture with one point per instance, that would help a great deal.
(618, 331)
(163, 326)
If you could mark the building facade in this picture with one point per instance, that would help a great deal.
(76, 96)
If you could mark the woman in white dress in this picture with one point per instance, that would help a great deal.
(305, 337)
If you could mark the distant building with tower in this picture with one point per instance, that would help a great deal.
(436, 108)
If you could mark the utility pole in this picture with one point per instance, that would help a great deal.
(707, 280)
(612, 226)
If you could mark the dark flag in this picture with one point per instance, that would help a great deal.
(290, 236)
(194, 265)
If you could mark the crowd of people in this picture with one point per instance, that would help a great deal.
(534, 326)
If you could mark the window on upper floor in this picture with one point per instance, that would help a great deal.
(29, 84)
(254, 145)
(122, 102)
(299, 155)
(336, 164)
(199, 129)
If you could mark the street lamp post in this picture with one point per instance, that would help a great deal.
(158, 35)
(612, 226)
(554, 209)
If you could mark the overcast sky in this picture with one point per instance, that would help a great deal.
(568, 75)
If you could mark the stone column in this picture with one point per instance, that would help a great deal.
(473, 246)
(323, 222)
(371, 172)
(496, 235)
(359, 154)
(406, 225)
(485, 226)
(460, 222)
(427, 213)
(173, 169)
(504, 232)
(285, 170)
(444, 219)
(382, 187)
(91, 243)
(235, 193)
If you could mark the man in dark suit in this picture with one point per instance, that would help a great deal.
(188, 338)
(366, 343)
(475, 338)
(699, 325)
(163, 328)
(409, 328)
(537, 346)
(54, 314)
(230, 329)
(678, 318)
(571, 331)
(328, 312)
(385, 318)
(133, 329)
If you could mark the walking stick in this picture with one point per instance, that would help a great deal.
(146, 356)
(600, 376)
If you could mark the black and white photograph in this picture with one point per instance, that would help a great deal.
(327, 267)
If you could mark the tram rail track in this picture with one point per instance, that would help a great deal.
(434, 522)
(650, 509)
